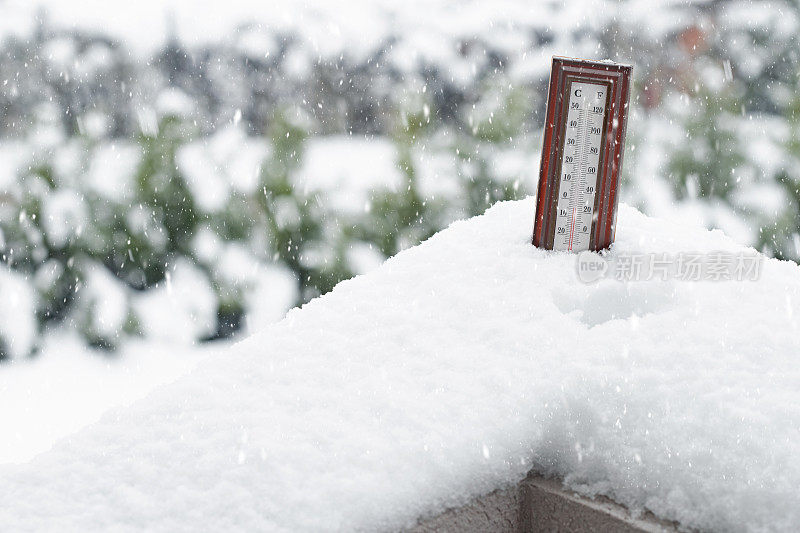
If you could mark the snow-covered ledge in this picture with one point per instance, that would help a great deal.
(451, 372)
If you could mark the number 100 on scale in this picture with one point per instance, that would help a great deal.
(583, 136)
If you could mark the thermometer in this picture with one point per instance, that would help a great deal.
(584, 135)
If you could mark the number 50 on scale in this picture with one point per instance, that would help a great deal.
(584, 136)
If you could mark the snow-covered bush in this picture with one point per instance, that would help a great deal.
(142, 196)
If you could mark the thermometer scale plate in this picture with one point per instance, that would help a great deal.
(581, 155)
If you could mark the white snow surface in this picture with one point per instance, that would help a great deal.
(450, 371)
(67, 387)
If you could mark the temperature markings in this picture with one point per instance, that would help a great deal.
(586, 114)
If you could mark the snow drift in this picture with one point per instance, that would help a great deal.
(452, 370)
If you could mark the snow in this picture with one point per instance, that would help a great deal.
(348, 172)
(68, 387)
(113, 169)
(437, 176)
(174, 102)
(363, 257)
(359, 25)
(17, 314)
(274, 290)
(209, 188)
(216, 166)
(426, 32)
(451, 370)
(181, 308)
(65, 215)
(514, 165)
(106, 299)
(13, 156)
(268, 290)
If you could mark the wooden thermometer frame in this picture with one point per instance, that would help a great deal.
(616, 78)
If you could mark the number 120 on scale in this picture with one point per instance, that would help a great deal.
(581, 155)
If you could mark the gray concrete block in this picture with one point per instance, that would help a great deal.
(499, 511)
(540, 505)
(548, 507)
